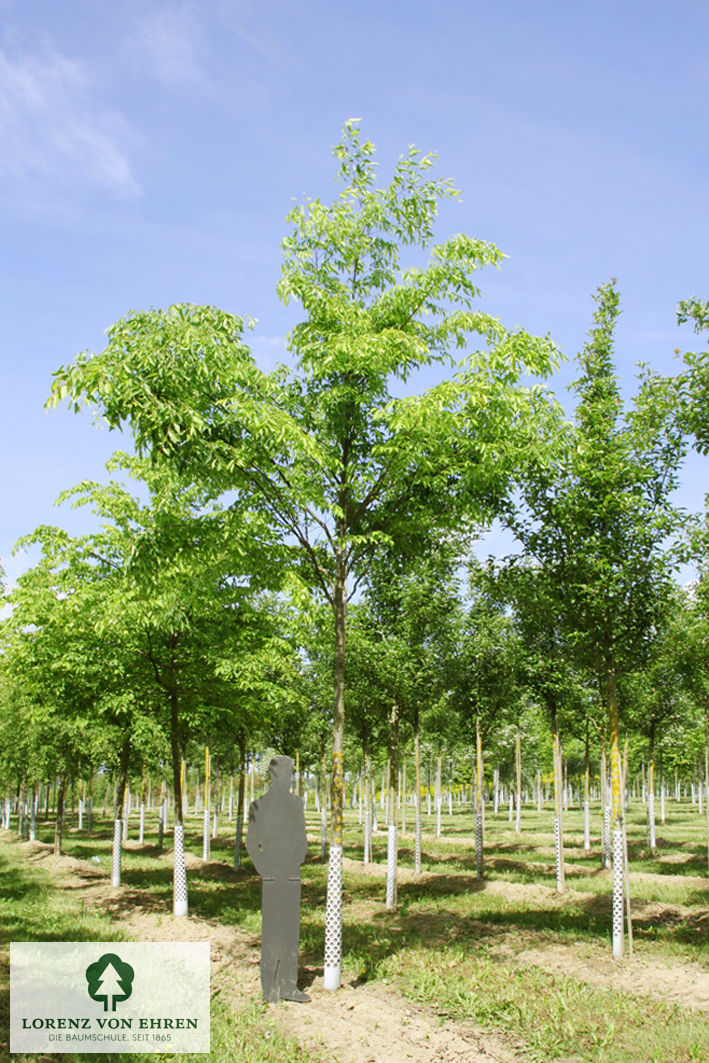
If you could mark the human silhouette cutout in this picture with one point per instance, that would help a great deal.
(277, 844)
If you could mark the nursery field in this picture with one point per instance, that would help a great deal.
(464, 970)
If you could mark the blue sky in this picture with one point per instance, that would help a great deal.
(149, 153)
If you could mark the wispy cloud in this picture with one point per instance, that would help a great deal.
(169, 40)
(54, 131)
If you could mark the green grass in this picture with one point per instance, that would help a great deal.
(31, 910)
(441, 947)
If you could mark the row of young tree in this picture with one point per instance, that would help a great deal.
(298, 534)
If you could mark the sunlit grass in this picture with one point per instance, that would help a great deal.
(441, 946)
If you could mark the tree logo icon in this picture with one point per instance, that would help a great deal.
(110, 980)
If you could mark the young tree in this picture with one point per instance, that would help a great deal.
(330, 450)
(597, 520)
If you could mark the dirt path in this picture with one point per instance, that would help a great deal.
(372, 1023)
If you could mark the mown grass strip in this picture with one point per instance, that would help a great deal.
(558, 1018)
(33, 909)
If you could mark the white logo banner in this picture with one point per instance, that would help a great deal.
(109, 996)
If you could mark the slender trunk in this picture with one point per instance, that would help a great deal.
(402, 796)
(333, 916)
(439, 795)
(323, 799)
(706, 772)
(59, 824)
(391, 825)
(180, 905)
(479, 806)
(651, 785)
(518, 764)
(90, 801)
(558, 811)
(117, 825)
(587, 794)
(417, 770)
(367, 805)
(616, 816)
(206, 834)
(605, 807)
(241, 797)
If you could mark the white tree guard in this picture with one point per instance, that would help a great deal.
(391, 868)
(438, 817)
(367, 856)
(323, 832)
(511, 807)
(33, 819)
(237, 838)
(417, 843)
(206, 847)
(651, 817)
(179, 873)
(333, 920)
(662, 804)
(6, 820)
(125, 827)
(587, 825)
(81, 813)
(116, 863)
(607, 835)
(479, 844)
(215, 823)
(518, 813)
(557, 855)
(141, 829)
(618, 894)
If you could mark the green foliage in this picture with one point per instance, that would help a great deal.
(597, 515)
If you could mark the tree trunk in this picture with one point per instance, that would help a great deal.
(206, 833)
(587, 794)
(180, 905)
(479, 807)
(439, 795)
(558, 811)
(333, 916)
(241, 797)
(651, 786)
(120, 798)
(616, 817)
(417, 768)
(518, 765)
(706, 772)
(391, 817)
(59, 824)
(367, 809)
(322, 800)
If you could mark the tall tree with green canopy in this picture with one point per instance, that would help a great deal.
(332, 449)
(597, 519)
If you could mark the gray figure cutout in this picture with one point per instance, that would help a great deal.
(277, 844)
